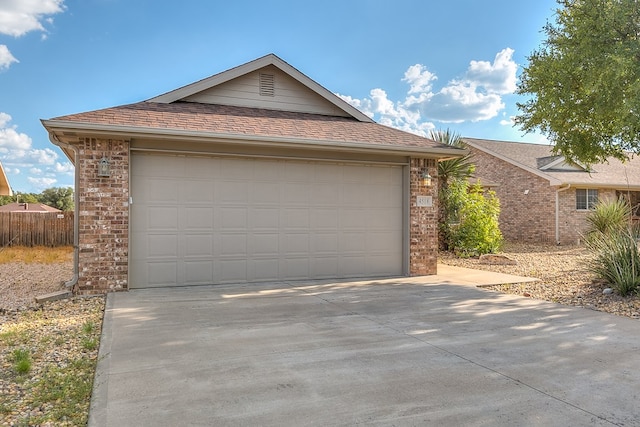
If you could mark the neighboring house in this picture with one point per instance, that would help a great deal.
(254, 174)
(545, 198)
(27, 207)
(5, 188)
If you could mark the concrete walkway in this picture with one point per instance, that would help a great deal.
(407, 351)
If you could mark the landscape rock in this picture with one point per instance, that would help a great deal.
(494, 259)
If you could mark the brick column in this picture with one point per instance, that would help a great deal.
(103, 212)
(423, 231)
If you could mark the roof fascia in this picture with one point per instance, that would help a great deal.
(67, 129)
(552, 181)
(4, 180)
(249, 67)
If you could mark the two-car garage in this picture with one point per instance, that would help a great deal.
(198, 220)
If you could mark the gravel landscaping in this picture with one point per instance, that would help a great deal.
(563, 277)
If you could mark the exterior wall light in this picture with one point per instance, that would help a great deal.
(426, 178)
(104, 167)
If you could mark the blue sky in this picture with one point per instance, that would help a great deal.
(412, 64)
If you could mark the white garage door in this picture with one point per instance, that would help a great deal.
(204, 220)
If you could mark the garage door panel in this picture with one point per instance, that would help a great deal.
(162, 245)
(233, 270)
(198, 218)
(220, 220)
(295, 244)
(325, 243)
(199, 192)
(264, 270)
(264, 219)
(325, 218)
(325, 267)
(231, 192)
(162, 273)
(233, 218)
(352, 218)
(264, 244)
(233, 244)
(198, 272)
(162, 190)
(296, 268)
(198, 245)
(162, 217)
(265, 193)
(296, 218)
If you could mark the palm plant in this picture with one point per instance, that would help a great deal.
(459, 168)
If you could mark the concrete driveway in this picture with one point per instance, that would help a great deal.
(408, 351)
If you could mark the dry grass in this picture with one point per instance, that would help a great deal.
(36, 255)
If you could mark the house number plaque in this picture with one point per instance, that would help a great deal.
(424, 201)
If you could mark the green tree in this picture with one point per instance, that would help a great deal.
(452, 170)
(584, 81)
(58, 197)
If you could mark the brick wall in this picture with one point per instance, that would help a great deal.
(573, 223)
(524, 217)
(423, 230)
(103, 216)
(531, 217)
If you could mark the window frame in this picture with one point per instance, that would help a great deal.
(589, 196)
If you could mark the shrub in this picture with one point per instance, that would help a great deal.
(476, 231)
(608, 217)
(617, 259)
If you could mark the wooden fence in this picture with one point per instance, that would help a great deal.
(36, 229)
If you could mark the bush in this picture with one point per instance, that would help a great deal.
(617, 259)
(476, 230)
(608, 217)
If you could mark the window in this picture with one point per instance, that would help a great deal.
(586, 198)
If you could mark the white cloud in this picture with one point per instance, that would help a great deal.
(19, 17)
(419, 78)
(16, 152)
(474, 97)
(42, 183)
(65, 167)
(6, 58)
(499, 77)
(13, 145)
(511, 121)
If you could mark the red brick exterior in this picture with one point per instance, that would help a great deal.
(423, 221)
(528, 203)
(103, 216)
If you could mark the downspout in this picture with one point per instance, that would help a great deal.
(560, 189)
(76, 217)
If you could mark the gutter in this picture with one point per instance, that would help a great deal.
(76, 217)
(558, 191)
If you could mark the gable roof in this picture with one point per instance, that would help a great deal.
(539, 160)
(27, 207)
(5, 188)
(257, 64)
(174, 115)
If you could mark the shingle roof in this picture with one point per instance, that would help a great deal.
(613, 173)
(27, 207)
(232, 120)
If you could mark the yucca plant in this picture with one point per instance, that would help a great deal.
(609, 216)
(617, 259)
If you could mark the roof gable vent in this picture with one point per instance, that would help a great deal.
(267, 84)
